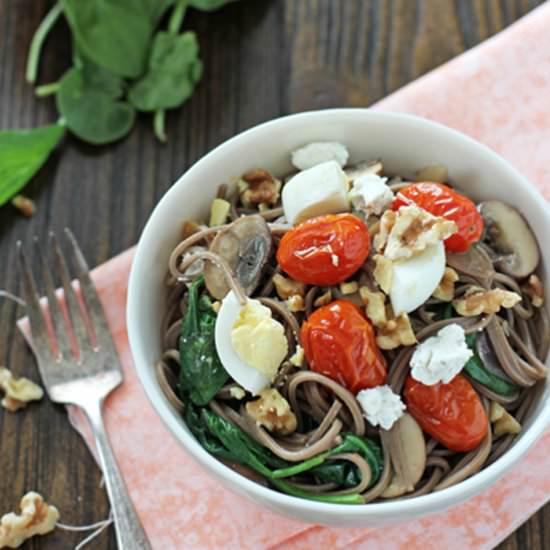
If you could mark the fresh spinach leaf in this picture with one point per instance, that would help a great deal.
(353, 498)
(155, 9)
(201, 374)
(477, 371)
(115, 34)
(174, 69)
(208, 5)
(22, 153)
(90, 108)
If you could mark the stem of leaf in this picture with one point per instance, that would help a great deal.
(38, 40)
(47, 89)
(177, 16)
(158, 125)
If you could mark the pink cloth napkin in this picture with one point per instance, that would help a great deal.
(497, 93)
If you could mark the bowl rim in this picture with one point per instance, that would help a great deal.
(424, 504)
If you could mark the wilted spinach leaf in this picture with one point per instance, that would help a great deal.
(201, 373)
(245, 450)
(22, 153)
(87, 100)
(115, 34)
(174, 69)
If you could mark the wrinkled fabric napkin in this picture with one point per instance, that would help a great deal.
(498, 94)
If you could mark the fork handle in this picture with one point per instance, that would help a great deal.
(130, 534)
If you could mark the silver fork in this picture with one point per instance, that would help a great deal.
(84, 379)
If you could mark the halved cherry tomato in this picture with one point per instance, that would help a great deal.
(324, 250)
(451, 413)
(441, 200)
(339, 342)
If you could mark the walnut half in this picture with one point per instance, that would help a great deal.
(396, 332)
(259, 187)
(477, 300)
(37, 518)
(18, 391)
(446, 289)
(273, 412)
(535, 291)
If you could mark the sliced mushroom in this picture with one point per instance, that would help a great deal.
(473, 263)
(364, 168)
(432, 172)
(246, 246)
(407, 449)
(508, 234)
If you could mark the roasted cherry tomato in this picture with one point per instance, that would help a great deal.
(441, 200)
(451, 413)
(339, 342)
(325, 250)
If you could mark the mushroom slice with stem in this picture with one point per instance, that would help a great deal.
(364, 168)
(407, 449)
(508, 234)
(245, 245)
(474, 263)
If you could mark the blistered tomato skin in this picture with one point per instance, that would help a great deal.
(339, 342)
(325, 250)
(452, 413)
(441, 200)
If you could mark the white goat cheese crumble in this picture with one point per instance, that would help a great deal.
(316, 153)
(441, 357)
(381, 406)
(370, 194)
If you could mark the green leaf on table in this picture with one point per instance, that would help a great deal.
(174, 69)
(202, 374)
(155, 9)
(90, 108)
(115, 34)
(22, 153)
(208, 5)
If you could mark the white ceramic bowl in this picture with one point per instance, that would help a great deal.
(404, 143)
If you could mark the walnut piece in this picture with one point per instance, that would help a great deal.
(298, 357)
(324, 299)
(477, 300)
(376, 307)
(188, 228)
(273, 412)
(383, 272)
(259, 187)
(409, 231)
(503, 422)
(350, 287)
(25, 205)
(37, 518)
(446, 289)
(18, 391)
(535, 291)
(286, 287)
(295, 303)
(396, 332)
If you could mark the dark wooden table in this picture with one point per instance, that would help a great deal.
(262, 59)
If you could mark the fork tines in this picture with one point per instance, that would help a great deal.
(86, 328)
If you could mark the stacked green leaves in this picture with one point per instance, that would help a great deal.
(125, 60)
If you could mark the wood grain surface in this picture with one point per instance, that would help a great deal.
(262, 59)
